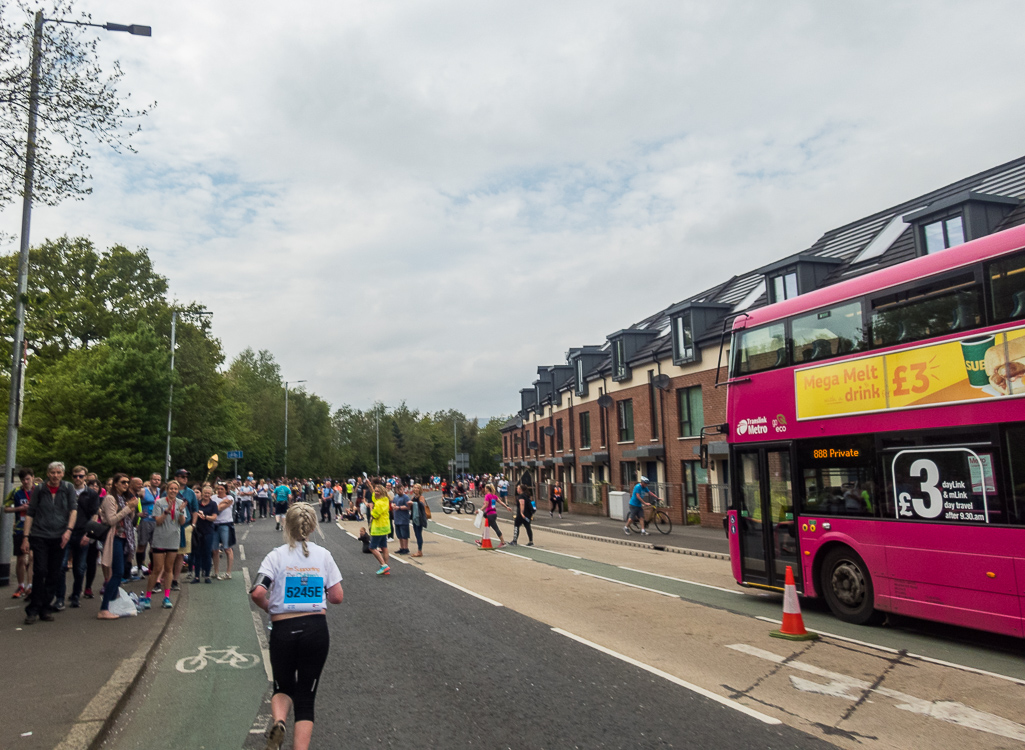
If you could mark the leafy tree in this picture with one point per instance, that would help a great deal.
(101, 406)
(79, 102)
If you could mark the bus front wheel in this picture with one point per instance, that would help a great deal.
(847, 587)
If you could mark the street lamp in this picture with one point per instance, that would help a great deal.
(377, 426)
(170, 402)
(286, 424)
(17, 371)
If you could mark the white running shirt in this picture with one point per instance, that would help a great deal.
(298, 583)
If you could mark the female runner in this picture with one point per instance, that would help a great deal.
(294, 584)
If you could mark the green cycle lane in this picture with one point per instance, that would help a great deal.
(206, 681)
(958, 646)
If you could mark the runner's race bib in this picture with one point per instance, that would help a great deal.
(304, 594)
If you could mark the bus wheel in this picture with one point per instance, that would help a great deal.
(847, 587)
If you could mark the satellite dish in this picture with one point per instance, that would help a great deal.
(519, 423)
(605, 401)
(661, 382)
(532, 445)
(549, 430)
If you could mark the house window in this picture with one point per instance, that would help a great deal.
(505, 446)
(653, 404)
(942, 234)
(541, 440)
(627, 473)
(585, 430)
(581, 385)
(693, 475)
(625, 414)
(558, 435)
(783, 285)
(691, 411)
(603, 415)
(683, 339)
(618, 359)
(516, 446)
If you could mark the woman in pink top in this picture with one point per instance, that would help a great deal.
(491, 511)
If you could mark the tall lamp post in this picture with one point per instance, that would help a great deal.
(377, 427)
(286, 424)
(17, 367)
(170, 401)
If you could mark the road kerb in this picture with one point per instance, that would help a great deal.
(632, 543)
(98, 716)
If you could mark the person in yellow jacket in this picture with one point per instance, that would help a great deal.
(380, 527)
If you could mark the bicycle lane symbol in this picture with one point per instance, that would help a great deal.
(207, 654)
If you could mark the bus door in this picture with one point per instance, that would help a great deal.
(767, 527)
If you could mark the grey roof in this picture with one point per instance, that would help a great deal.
(844, 244)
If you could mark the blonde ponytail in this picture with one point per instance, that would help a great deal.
(300, 521)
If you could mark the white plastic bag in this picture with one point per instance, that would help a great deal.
(478, 521)
(123, 606)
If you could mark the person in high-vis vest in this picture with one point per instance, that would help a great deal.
(294, 585)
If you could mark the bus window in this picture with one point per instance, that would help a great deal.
(837, 477)
(1007, 288)
(828, 333)
(760, 349)
(925, 311)
(1014, 440)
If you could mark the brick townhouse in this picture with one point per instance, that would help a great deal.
(645, 400)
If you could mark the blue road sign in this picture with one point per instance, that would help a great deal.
(235, 454)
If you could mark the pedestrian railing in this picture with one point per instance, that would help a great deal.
(719, 497)
(544, 493)
(587, 494)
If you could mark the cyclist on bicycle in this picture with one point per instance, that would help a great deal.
(638, 503)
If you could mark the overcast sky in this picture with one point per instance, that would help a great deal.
(425, 200)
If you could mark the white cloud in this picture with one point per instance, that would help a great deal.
(426, 200)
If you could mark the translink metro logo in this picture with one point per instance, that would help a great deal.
(755, 426)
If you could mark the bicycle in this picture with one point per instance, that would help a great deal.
(659, 518)
(229, 656)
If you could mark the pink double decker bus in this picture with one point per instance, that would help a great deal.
(877, 441)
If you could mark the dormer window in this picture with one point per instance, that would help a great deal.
(957, 219)
(619, 369)
(581, 384)
(683, 339)
(939, 235)
(783, 285)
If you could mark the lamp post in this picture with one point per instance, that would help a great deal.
(17, 367)
(286, 424)
(377, 427)
(170, 401)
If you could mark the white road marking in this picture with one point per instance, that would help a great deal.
(246, 534)
(446, 536)
(841, 686)
(320, 531)
(513, 554)
(674, 679)
(465, 590)
(561, 554)
(623, 583)
(444, 526)
(682, 580)
(242, 554)
(261, 636)
(352, 535)
(887, 649)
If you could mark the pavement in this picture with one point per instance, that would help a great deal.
(690, 539)
(67, 678)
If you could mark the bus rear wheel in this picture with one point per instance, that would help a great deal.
(847, 587)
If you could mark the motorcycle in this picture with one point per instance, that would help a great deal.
(457, 504)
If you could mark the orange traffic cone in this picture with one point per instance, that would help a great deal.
(485, 540)
(793, 624)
